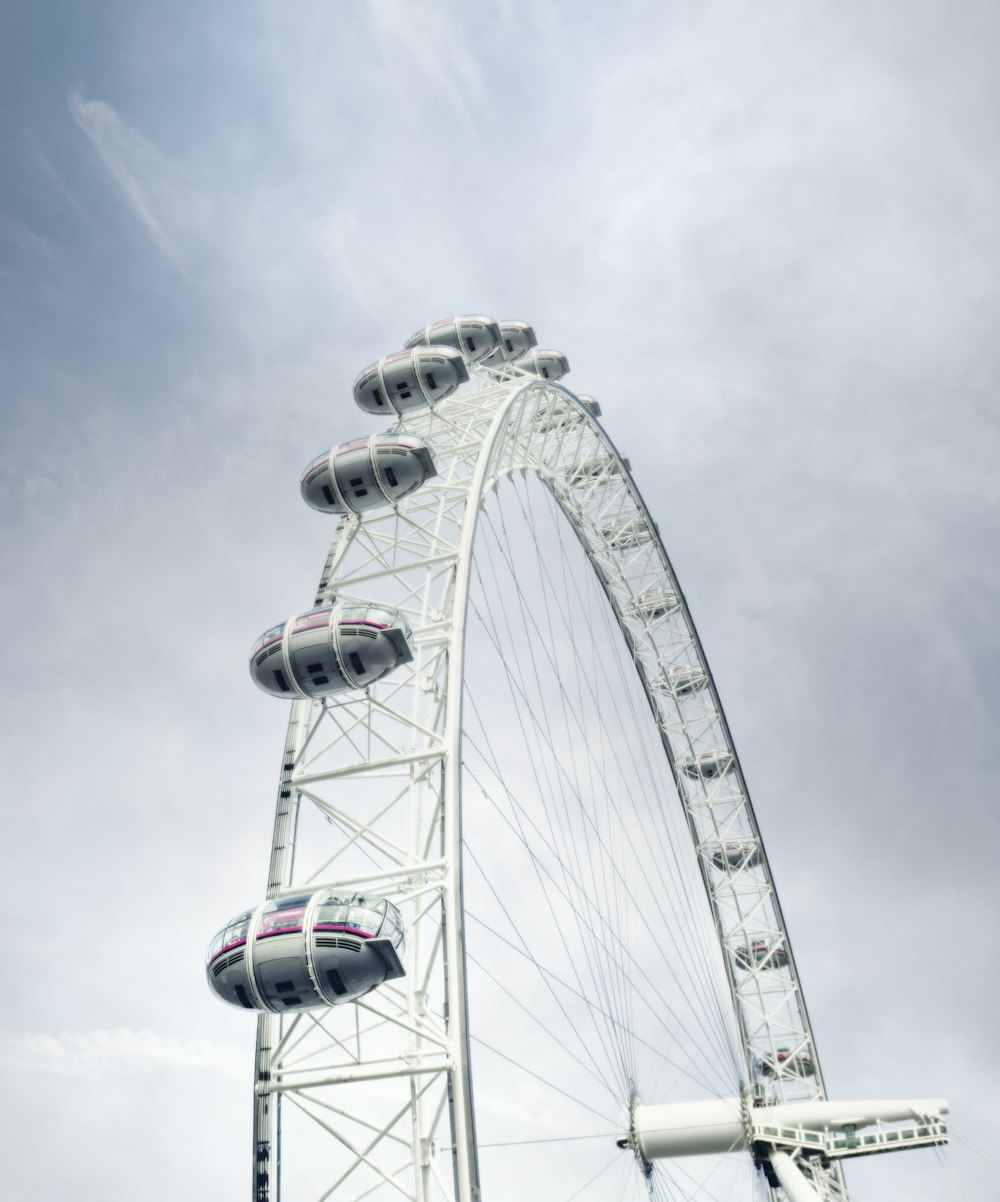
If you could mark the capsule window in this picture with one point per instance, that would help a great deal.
(236, 932)
(364, 919)
(377, 397)
(328, 494)
(390, 475)
(470, 343)
(279, 680)
(356, 663)
(545, 372)
(509, 345)
(336, 981)
(331, 912)
(431, 382)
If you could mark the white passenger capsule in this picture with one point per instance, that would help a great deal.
(593, 407)
(410, 379)
(761, 954)
(474, 336)
(367, 473)
(349, 645)
(516, 339)
(594, 467)
(708, 765)
(788, 1064)
(627, 532)
(317, 949)
(682, 681)
(656, 603)
(741, 853)
(550, 365)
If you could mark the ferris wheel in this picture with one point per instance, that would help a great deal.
(513, 843)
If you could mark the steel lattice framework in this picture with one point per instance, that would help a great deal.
(379, 775)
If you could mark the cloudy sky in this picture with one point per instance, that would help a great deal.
(766, 237)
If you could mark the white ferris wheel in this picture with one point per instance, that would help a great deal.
(520, 936)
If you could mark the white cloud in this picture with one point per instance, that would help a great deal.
(103, 1053)
(155, 189)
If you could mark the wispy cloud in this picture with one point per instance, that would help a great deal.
(154, 188)
(424, 38)
(114, 1052)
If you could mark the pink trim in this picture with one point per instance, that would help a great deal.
(360, 622)
(336, 926)
(228, 948)
(280, 931)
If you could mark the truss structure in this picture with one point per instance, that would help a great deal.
(370, 800)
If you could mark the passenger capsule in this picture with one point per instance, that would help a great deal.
(349, 645)
(474, 337)
(593, 407)
(656, 603)
(550, 365)
(317, 949)
(410, 379)
(516, 339)
(708, 765)
(682, 681)
(761, 954)
(743, 853)
(788, 1064)
(627, 532)
(594, 467)
(367, 473)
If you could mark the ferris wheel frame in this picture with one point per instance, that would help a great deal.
(506, 422)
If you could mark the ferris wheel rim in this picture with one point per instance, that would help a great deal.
(517, 399)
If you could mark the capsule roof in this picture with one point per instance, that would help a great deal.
(367, 473)
(410, 379)
(474, 336)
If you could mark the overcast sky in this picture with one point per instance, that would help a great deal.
(766, 237)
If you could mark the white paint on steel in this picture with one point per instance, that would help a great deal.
(423, 551)
(796, 1187)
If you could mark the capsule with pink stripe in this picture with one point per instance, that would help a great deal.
(349, 645)
(314, 949)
